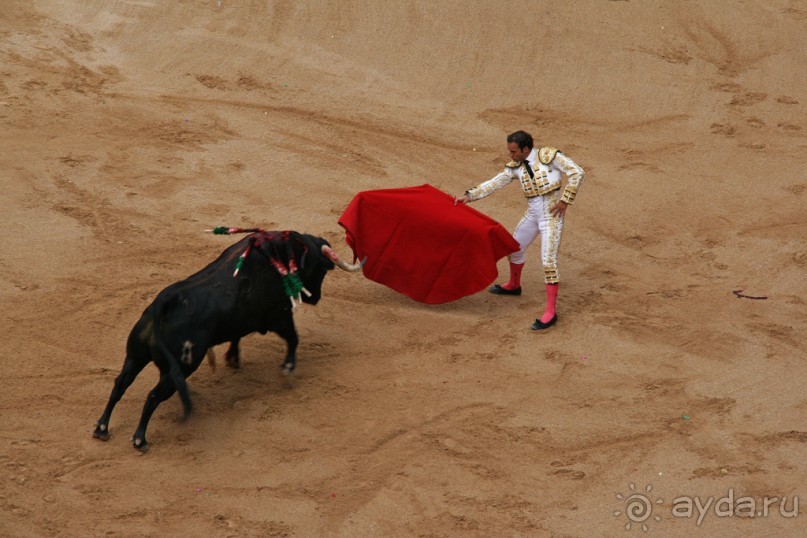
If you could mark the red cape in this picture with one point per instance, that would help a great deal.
(420, 244)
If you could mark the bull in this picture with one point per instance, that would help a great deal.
(250, 287)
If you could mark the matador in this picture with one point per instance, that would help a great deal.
(540, 174)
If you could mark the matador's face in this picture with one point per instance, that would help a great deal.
(516, 153)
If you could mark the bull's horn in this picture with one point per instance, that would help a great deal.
(328, 251)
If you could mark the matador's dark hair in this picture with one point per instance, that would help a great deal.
(522, 138)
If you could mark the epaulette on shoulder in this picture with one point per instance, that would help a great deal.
(512, 164)
(546, 154)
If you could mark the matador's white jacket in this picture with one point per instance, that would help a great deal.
(543, 191)
(548, 165)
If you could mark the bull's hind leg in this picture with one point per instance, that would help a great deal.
(173, 375)
(164, 389)
(233, 357)
(132, 366)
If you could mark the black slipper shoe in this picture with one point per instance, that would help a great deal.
(498, 290)
(539, 325)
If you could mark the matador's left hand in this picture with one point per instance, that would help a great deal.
(559, 209)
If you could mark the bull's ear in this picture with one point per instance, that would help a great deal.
(310, 255)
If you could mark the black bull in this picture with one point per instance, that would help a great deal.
(215, 306)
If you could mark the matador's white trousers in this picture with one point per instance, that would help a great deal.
(538, 220)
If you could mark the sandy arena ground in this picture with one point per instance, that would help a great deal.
(129, 127)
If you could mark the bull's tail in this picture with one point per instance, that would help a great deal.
(174, 372)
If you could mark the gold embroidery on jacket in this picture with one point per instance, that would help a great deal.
(575, 175)
(546, 154)
(528, 183)
(543, 183)
(487, 188)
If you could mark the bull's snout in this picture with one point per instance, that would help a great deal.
(331, 255)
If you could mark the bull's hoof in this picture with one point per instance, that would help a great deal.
(288, 368)
(101, 432)
(233, 362)
(140, 444)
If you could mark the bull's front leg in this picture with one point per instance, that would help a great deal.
(287, 331)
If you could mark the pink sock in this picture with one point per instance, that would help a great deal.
(515, 276)
(551, 299)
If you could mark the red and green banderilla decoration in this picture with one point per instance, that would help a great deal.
(292, 285)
